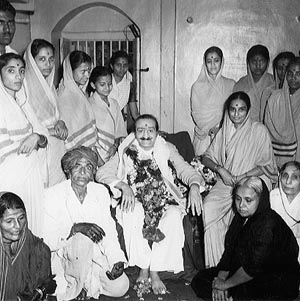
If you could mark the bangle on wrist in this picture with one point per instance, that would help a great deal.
(42, 141)
(41, 293)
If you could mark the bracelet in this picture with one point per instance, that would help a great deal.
(40, 292)
(43, 141)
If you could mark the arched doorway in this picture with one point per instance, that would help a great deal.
(80, 29)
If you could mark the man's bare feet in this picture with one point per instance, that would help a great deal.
(143, 275)
(158, 286)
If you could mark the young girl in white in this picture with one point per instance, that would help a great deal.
(109, 121)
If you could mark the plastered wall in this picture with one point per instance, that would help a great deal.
(173, 47)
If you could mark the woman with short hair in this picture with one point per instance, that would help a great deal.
(260, 257)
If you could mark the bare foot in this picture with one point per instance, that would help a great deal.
(158, 286)
(144, 275)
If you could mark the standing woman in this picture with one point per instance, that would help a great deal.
(257, 78)
(208, 95)
(20, 139)
(241, 148)
(40, 61)
(282, 117)
(73, 104)
(280, 64)
(124, 90)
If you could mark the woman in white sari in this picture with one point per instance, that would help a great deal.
(39, 58)
(257, 78)
(208, 95)
(73, 104)
(241, 148)
(285, 199)
(282, 116)
(20, 170)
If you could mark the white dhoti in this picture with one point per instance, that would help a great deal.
(82, 264)
(165, 255)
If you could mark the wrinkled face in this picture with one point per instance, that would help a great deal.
(293, 77)
(82, 173)
(103, 86)
(281, 68)
(290, 180)
(82, 73)
(246, 201)
(258, 65)
(12, 76)
(45, 61)
(7, 27)
(213, 63)
(237, 112)
(12, 224)
(120, 67)
(146, 133)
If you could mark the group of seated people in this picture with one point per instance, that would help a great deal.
(67, 161)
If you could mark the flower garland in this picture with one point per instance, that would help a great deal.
(151, 191)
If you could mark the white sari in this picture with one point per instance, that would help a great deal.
(239, 151)
(20, 174)
(43, 99)
(289, 211)
(207, 100)
(75, 111)
(109, 122)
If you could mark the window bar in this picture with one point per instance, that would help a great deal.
(110, 48)
(102, 52)
(86, 47)
(127, 48)
(119, 44)
(95, 60)
(77, 42)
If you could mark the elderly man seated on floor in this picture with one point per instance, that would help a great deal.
(145, 172)
(78, 227)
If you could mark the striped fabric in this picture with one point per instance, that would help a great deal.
(75, 111)
(14, 125)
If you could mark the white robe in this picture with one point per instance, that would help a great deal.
(165, 255)
(78, 262)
